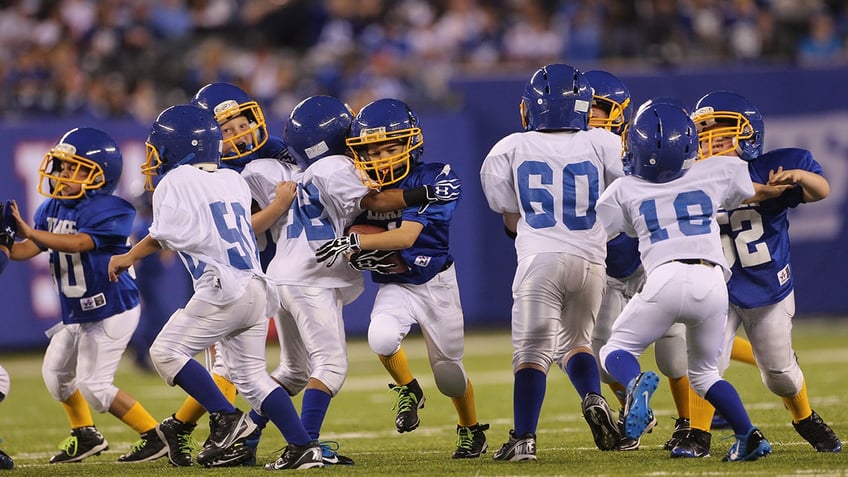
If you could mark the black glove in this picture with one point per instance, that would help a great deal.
(8, 225)
(372, 260)
(331, 250)
(444, 190)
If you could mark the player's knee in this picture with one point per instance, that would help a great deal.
(98, 395)
(702, 382)
(292, 380)
(167, 361)
(333, 378)
(384, 342)
(543, 360)
(450, 378)
(784, 383)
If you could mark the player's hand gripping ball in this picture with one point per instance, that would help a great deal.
(380, 261)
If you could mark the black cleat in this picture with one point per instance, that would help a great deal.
(177, 437)
(83, 442)
(818, 434)
(470, 441)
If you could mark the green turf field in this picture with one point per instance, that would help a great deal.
(32, 424)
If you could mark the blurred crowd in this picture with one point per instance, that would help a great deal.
(127, 59)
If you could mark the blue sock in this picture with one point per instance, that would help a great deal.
(723, 396)
(582, 370)
(280, 410)
(260, 420)
(622, 366)
(528, 394)
(313, 410)
(198, 383)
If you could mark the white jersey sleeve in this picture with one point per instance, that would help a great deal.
(205, 216)
(555, 179)
(497, 180)
(328, 200)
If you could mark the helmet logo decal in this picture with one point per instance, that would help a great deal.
(582, 106)
(316, 150)
(378, 131)
(64, 150)
(226, 109)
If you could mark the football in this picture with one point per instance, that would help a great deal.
(394, 258)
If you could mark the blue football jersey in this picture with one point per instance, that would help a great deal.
(82, 279)
(622, 256)
(429, 255)
(756, 236)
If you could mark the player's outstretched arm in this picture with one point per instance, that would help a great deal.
(283, 198)
(68, 243)
(445, 190)
(395, 239)
(815, 185)
(118, 264)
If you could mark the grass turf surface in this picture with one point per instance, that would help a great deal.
(361, 419)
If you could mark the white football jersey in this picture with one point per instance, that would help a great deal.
(262, 176)
(328, 200)
(553, 179)
(677, 219)
(205, 216)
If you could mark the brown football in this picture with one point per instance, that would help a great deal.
(366, 229)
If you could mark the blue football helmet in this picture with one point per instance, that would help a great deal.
(381, 122)
(91, 159)
(661, 143)
(611, 95)
(317, 127)
(227, 102)
(182, 134)
(724, 114)
(558, 97)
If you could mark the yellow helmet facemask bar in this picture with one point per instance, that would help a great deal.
(616, 114)
(731, 124)
(383, 171)
(51, 170)
(258, 130)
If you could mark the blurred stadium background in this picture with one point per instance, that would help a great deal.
(461, 64)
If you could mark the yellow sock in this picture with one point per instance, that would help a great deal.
(226, 386)
(620, 392)
(700, 412)
(466, 409)
(799, 405)
(742, 351)
(77, 410)
(139, 419)
(680, 394)
(191, 411)
(398, 367)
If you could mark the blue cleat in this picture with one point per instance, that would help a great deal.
(750, 446)
(637, 409)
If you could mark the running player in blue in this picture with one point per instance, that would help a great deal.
(387, 144)
(81, 225)
(756, 246)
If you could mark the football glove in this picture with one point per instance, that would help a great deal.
(372, 260)
(445, 190)
(8, 225)
(330, 251)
